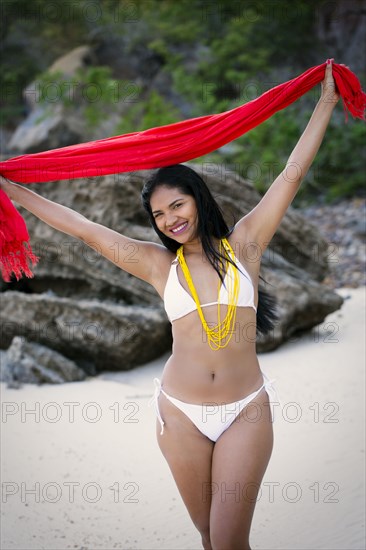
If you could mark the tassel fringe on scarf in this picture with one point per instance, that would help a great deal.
(152, 148)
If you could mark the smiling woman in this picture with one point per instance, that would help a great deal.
(214, 423)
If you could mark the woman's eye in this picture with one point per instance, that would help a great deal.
(177, 205)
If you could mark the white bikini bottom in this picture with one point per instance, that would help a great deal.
(210, 418)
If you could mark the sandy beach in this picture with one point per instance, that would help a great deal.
(81, 467)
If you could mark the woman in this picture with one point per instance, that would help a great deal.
(217, 454)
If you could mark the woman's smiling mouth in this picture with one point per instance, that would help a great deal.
(179, 228)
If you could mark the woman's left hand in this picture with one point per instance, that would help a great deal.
(329, 90)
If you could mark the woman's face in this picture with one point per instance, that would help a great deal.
(175, 213)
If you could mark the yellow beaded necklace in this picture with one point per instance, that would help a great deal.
(218, 333)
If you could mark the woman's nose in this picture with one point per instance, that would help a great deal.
(171, 220)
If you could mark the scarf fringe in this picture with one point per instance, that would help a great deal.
(15, 250)
(15, 259)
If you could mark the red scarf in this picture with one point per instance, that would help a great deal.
(152, 148)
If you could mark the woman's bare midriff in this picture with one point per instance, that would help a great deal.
(194, 373)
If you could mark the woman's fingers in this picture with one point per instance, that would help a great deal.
(329, 91)
(328, 76)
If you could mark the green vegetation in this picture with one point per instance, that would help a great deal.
(216, 55)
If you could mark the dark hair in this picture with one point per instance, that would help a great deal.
(211, 223)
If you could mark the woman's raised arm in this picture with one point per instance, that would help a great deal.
(261, 223)
(140, 258)
(60, 217)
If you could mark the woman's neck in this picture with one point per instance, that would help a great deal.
(195, 247)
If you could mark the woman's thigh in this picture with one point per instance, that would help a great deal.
(239, 461)
(189, 456)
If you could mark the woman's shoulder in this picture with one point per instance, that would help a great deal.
(163, 259)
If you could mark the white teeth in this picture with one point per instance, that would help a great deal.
(179, 228)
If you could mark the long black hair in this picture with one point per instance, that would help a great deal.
(211, 224)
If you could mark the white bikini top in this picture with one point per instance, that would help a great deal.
(178, 302)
